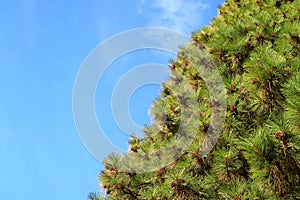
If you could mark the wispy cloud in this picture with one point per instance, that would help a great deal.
(181, 15)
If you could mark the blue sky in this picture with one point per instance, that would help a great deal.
(42, 45)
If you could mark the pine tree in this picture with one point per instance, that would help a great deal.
(255, 45)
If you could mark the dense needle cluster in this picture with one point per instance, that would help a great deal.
(256, 46)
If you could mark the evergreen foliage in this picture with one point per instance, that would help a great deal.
(256, 46)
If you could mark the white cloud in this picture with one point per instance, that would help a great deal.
(181, 15)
